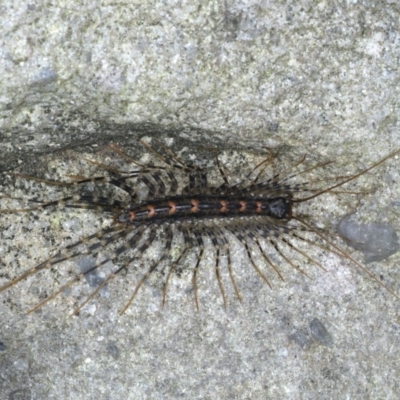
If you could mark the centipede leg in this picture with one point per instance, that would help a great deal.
(200, 245)
(225, 246)
(186, 242)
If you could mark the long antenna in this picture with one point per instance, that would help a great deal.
(348, 179)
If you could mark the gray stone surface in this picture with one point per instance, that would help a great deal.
(377, 241)
(319, 78)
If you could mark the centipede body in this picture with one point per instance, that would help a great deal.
(174, 202)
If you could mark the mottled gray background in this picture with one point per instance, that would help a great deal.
(318, 77)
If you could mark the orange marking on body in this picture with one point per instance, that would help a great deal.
(243, 205)
(172, 207)
(224, 206)
(195, 205)
(151, 212)
(131, 215)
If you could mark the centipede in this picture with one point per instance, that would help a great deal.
(190, 210)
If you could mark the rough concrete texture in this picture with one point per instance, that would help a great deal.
(317, 77)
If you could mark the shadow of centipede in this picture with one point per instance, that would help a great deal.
(171, 201)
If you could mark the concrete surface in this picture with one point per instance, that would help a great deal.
(316, 77)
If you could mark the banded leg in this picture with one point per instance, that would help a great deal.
(87, 202)
(242, 235)
(277, 231)
(141, 250)
(200, 244)
(292, 246)
(217, 245)
(64, 255)
(225, 246)
(186, 248)
(144, 247)
(131, 242)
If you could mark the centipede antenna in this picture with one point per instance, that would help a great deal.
(351, 178)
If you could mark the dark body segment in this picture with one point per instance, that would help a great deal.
(206, 207)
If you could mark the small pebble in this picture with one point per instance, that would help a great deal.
(320, 333)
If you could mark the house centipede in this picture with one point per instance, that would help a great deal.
(259, 211)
